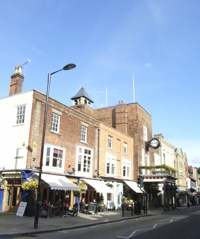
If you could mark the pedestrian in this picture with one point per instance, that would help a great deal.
(83, 205)
(95, 206)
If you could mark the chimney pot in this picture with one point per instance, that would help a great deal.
(18, 69)
(16, 81)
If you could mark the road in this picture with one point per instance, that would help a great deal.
(181, 224)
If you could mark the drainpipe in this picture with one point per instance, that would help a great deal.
(98, 149)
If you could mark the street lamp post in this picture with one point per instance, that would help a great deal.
(37, 208)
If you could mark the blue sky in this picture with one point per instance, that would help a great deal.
(111, 41)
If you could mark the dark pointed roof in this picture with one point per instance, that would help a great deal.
(82, 93)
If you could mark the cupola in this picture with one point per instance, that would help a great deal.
(82, 98)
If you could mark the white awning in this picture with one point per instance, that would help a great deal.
(161, 180)
(134, 186)
(7, 175)
(57, 182)
(98, 185)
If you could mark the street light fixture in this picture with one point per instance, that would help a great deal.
(37, 208)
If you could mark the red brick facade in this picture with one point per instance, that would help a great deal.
(69, 136)
(16, 83)
(129, 119)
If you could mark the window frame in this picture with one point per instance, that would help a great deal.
(126, 168)
(111, 165)
(50, 157)
(145, 136)
(55, 123)
(20, 114)
(125, 145)
(83, 136)
(110, 142)
(84, 157)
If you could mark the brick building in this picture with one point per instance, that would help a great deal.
(132, 120)
(100, 149)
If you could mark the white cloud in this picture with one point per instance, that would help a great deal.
(148, 65)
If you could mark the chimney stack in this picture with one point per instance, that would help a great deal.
(16, 81)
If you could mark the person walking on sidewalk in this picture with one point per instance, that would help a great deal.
(83, 205)
(95, 206)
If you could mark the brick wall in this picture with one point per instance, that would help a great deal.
(118, 139)
(69, 133)
(129, 119)
(16, 83)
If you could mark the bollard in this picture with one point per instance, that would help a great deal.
(48, 212)
(122, 210)
(132, 210)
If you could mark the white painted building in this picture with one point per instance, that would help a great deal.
(15, 129)
(164, 155)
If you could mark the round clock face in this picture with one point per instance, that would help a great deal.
(154, 143)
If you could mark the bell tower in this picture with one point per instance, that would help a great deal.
(82, 102)
(82, 98)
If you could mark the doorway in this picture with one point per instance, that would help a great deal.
(11, 198)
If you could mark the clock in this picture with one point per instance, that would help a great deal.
(154, 143)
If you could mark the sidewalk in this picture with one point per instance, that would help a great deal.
(12, 225)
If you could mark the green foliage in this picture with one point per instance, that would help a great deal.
(163, 166)
(82, 189)
(30, 184)
(101, 202)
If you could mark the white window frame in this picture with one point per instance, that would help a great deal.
(111, 164)
(84, 157)
(126, 168)
(110, 142)
(145, 133)
(125, 148)
(20, 115)
(55, 123)
(83, 134)
(50, 158)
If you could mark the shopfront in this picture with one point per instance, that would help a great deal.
(54, 188)
(11, 191)
(97, 189)
(57, 188)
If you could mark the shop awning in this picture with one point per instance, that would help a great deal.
(133, 186)
(98, 185)
(7, 175)
(57, 182)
